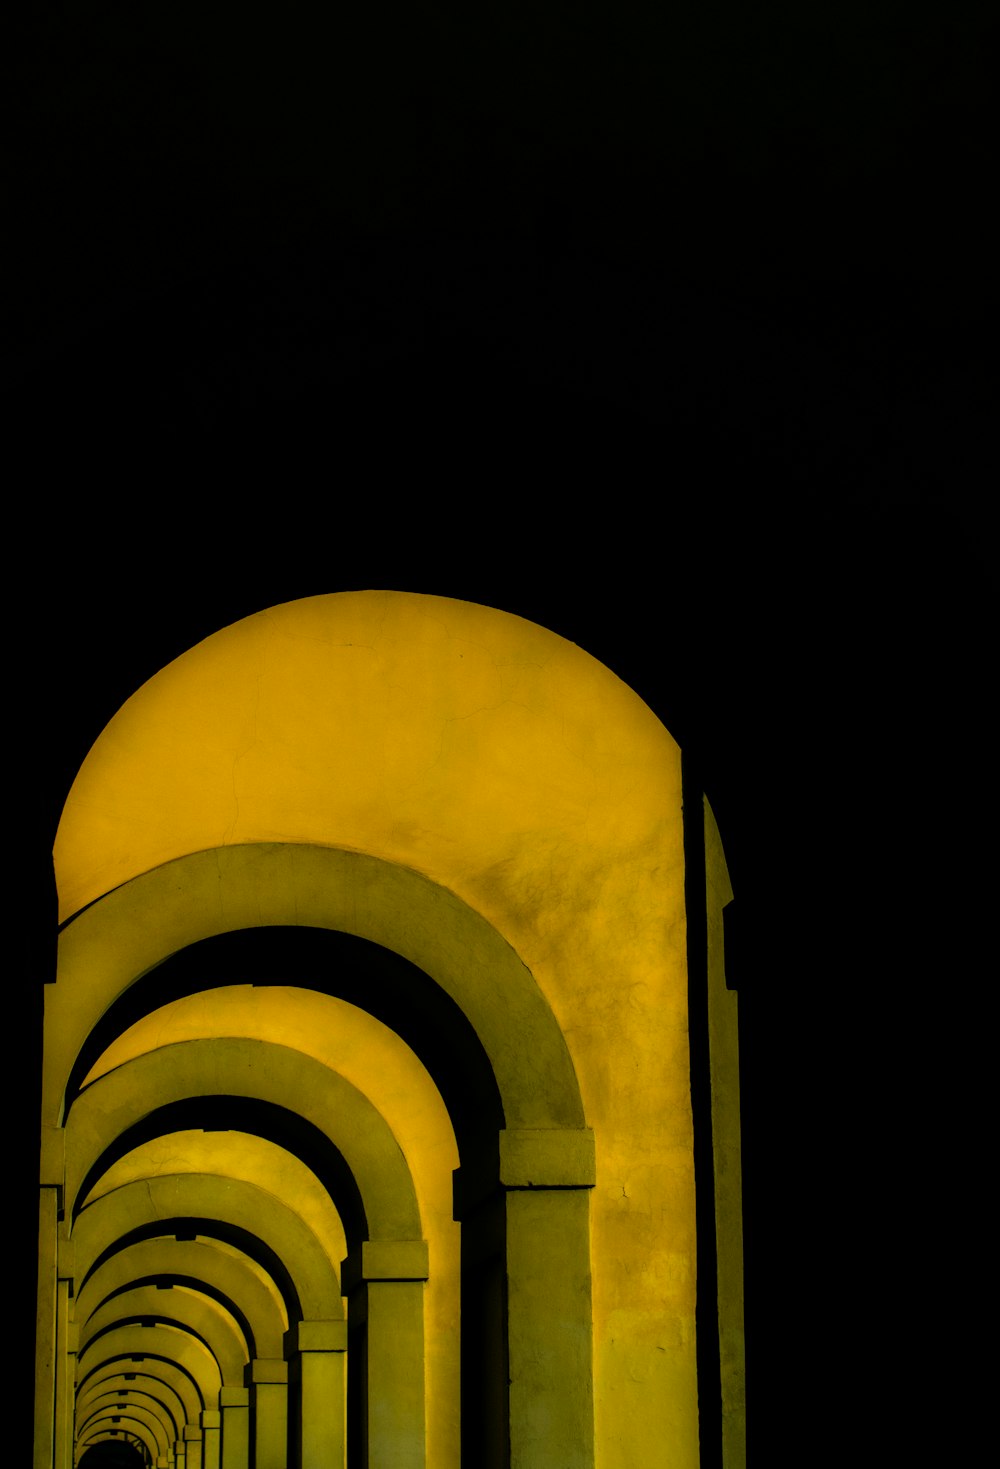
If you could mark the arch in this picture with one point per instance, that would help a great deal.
(418, 1109)
(182, 1307)
(116, 1390)
(131, 1411)
(361, 995)
(257, 1071)
(158, 1376)
(212, 1206)
(238, 1138)
(240, 1289)
(124, 1425)
(487, 802)
(205, 894)
(172, 1343)
(235, 1157)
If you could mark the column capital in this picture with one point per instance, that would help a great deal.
(316, 1336)
(385, 1259)
(234, 1397)
(265, 1370)
(547, 1157)
(211, 1418)
(191, 1433)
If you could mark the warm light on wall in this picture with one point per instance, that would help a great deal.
(482, 799)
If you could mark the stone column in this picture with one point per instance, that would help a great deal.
(67, 1341)
(180, 1455)
(316, 1352)
(267, 1379)
(384, 1282)
(72, 1350)
(546, 1176)
(211, 1446)
(192, 1447)
(62, 1456)
(45, 1329)
(234, 1404)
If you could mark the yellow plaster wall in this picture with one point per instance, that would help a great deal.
(514, 770)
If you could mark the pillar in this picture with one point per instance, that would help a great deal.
(67, 1339)
(192, 1447)
(180, 1454)
(234, 1405)
(267, 1379)
(72, 1350)
(316, 1352)
(384, 1282)
(62, 1445)
(546, 1176)
(211, 1446)
(45, 1328)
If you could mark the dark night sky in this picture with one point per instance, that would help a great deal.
(667, 327)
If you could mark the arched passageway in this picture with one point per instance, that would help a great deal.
(367, 1132)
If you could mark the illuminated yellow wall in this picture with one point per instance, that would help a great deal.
(531, 793)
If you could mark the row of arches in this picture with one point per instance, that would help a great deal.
(334, 1139)
(227, 1181)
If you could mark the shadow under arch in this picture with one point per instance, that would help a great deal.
(111, 1454)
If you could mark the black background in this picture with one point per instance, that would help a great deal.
(669, 328)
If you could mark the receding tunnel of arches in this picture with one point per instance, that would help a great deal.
(138, 1139)
(372, 1150)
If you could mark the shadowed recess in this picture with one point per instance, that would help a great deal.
(111, 1454)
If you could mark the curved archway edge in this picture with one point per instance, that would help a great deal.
(127, 933)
